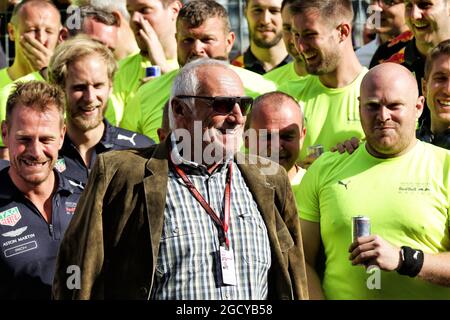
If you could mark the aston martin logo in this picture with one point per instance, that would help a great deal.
(15, 233)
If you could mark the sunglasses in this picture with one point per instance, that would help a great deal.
(225, 105)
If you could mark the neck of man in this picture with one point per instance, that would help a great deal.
(128, 47)
(388, 36)
(169, 47)
(85, 141)
(269, 57)
(299, 67)
(380, 155)
(347, 70)
(19, 68)
(424, 47)
(40, 195)
(438, 127)
(293, 172)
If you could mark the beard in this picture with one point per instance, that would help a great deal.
(266, 43)
(86, 122)
(328, 63)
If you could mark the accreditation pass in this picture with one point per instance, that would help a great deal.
(227, 266)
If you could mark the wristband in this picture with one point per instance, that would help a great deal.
(412, 261)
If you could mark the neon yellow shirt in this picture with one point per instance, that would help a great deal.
(128, 80)
(6, 91)
(282, 74)
(407, 201)
(332, 114)
(4, 78)
(145, 110)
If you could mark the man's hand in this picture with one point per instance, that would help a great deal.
(155, 51)
(38, 56)
(146, 79)
(373, 250)
(348, 145)
(307, 162)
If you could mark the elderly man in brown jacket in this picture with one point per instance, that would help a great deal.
(164, 223)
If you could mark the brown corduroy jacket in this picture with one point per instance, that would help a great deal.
(113, 238)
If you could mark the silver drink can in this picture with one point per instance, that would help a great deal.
(361, 227)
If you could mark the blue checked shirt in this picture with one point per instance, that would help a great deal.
(188, 267)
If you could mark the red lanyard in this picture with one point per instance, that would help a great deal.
(223, 225)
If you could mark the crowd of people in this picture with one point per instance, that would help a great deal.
(225, 178)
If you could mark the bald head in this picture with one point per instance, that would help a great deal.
(389, 107)
(21, 9)
(276, 104)
(392, 74)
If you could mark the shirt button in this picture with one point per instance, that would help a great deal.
(175, 230)
(227, 296)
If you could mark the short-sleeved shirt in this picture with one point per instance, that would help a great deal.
(407, 201)
(4, 78)
(128, 80)
(331, 114)
(283, 74)
(72, 165)
(250, 62)
(145, 111)
(29, 244)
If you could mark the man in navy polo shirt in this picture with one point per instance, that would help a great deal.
(84, 69)
(36, 202)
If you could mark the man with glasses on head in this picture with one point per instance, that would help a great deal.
(387, 19)
(203, 220)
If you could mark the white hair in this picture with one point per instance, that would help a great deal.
(186, 82)
(107, 5)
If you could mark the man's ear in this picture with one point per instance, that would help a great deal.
(424, 87)
(62, 136)
(177, 108)
(344, 30)
(175, 8)
(63, 35)
(420, 104)
(4, 129)
(118, 17)
(231, 37)
(11, 31)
